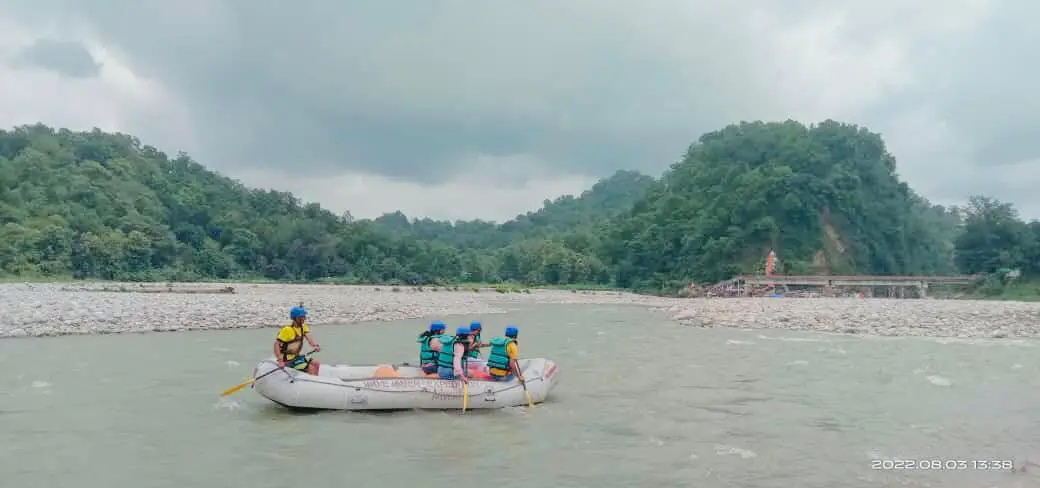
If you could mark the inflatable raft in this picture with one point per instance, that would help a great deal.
(398, 387)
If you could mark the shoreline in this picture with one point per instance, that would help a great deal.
(89, 308)
(95, 308)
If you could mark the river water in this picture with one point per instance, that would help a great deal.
(642, 402)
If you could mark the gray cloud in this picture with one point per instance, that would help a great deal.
(63, 57)
(431, 91)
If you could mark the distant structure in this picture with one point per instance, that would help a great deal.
(827, 285)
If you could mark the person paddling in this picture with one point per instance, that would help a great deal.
(289, 341)
(430, 346)
(475, 328)
(451, 361)
(502, 359)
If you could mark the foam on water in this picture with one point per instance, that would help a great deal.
(836, 349)
(231, 364)
(792, 339)
(228, 404)
(724, 450)
(41, 384)
(735, 341)
(938, 380)
(798, 362)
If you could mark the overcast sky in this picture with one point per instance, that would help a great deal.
(464, 109)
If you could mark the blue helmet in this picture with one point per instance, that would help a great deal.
(297, 312)
(475, 325)
(512, 331)
(437, 326)
(461, 331)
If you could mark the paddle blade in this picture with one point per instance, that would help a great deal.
(530, 403)
(238, 387)
(465, 397)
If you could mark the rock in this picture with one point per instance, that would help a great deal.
(888, 317)
(89, 308)
(62, 309)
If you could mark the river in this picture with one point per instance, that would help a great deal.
(642, 402)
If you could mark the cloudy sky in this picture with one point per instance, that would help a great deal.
(462, 109)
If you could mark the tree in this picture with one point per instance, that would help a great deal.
(993, 237)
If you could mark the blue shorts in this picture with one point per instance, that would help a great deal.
(446, 373)
(429, 368)
(508, 377)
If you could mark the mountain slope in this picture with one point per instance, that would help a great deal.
(826, 198)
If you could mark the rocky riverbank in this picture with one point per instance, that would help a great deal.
(885, 317)
(105, 308)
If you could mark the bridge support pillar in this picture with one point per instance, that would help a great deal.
(922, 289)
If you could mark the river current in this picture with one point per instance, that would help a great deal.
(642, 401)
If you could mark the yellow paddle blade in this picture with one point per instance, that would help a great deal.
(530, 403)
(465, 397)
(238, 387)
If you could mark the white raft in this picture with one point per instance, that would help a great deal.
(397, 387)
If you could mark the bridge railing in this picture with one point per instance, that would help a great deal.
(860, 278)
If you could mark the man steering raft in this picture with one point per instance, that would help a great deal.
(290, 339)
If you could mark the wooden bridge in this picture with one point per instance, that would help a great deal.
(744, 285)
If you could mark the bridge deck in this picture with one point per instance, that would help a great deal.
(864, 280)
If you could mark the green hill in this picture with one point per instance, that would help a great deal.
(826, 198)
(607, 199)
(97, 205)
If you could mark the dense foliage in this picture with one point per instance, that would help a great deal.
(994, 238)
(825, 198)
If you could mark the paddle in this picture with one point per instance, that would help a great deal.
(465, 396)
(530, 403)
(253, 380)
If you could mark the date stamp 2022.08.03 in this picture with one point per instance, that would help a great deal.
(942, 464)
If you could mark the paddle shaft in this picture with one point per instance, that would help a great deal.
(253, 380)
(465, 396)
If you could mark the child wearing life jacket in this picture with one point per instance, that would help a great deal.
(451, 361)
(430, 346)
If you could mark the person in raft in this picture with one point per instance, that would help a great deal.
(430, 346)
(290, 339)
(502, 360)
(474, 352)
(451, 361)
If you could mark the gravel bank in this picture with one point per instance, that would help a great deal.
(61, 309)
(885, 317)
(35, 310)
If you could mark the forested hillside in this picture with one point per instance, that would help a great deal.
(826, 198)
